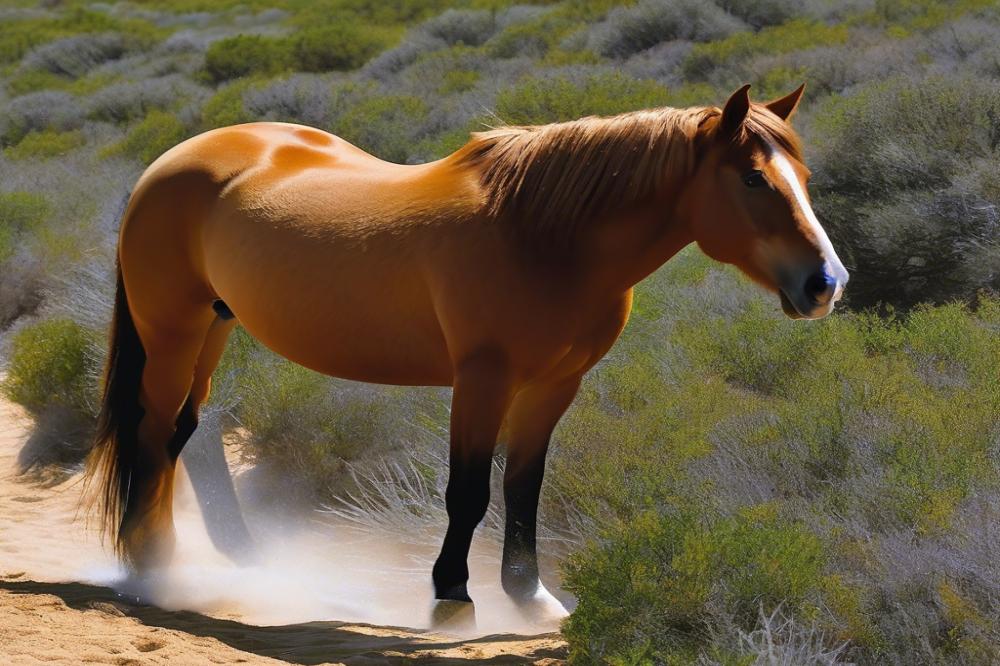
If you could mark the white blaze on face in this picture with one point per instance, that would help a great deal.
(834, 268)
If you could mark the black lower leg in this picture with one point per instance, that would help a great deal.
(187, 422)
(467, 498)
(519, 571)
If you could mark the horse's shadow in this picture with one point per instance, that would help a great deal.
(303, 643)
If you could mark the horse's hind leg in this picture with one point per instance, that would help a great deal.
(147, 529)
(205, 463)
(201, 385)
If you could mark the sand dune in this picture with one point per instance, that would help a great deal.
(311, 600)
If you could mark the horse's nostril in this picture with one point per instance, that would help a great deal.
(819, 288)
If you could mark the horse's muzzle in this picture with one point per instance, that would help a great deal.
(814, 297)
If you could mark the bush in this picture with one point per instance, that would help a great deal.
(907, 193)
(20, 35)
(543, 100)
(152, 137)
(373, 12)
(341, 46)
(457, 27)
(52, 365)
(646, 594)
(132, 100)
(385, 125)
(391, 62)
(794, 35)
(925, 14)
(632, 29)
(246, 55)
(458, 81)
(45, 144)
(226, 106)
(300, 98)
(762, 13)
(20, 213)
(40, 111)
(531, 38)
(848, 441)
(75, 56)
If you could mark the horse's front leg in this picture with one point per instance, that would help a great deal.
(482, 393)
(533, 416)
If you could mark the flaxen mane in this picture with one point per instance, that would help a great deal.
(550, 180)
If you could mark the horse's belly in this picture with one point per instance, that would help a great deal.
(338, 339)
(362, 315)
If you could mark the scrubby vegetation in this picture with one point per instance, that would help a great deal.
(781, 464)
(729, 487)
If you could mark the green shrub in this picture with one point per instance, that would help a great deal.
(226, 106)
(25, 81)
(791, 36)
(383, 125)
(855, 428)
(925, 14)
(31, 80)
(542, 100)
(340, 46)
(45, 144)
(371, 12)
(458, 81)
(637, 27)
(246, 55)
(644, 594)
(531, 38)
(152, 137)
(52, 364)
(18, 36)
(20, 213)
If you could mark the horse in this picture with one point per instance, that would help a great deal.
(504, 270)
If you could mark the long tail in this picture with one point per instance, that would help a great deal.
(113, 457)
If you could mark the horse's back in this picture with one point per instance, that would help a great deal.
(239, 181)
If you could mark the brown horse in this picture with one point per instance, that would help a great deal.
(504, 270)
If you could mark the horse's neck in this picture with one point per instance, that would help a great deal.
(630, 245)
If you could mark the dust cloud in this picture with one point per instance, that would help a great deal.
(299, 567)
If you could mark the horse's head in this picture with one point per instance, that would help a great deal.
(751, 207)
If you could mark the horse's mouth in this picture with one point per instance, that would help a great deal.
(788, 308)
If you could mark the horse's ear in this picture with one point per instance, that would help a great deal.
(785, 106)
(735, 111)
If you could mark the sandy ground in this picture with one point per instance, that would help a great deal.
(64, 601)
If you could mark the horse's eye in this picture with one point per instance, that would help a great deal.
(754, 179)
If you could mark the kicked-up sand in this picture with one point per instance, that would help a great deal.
(316, 593)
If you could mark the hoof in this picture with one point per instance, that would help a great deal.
(458, 592)
(519, 588)
(448, 615)
(148, 551)
(541, 606)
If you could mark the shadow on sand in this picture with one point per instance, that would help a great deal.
(303, 643)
